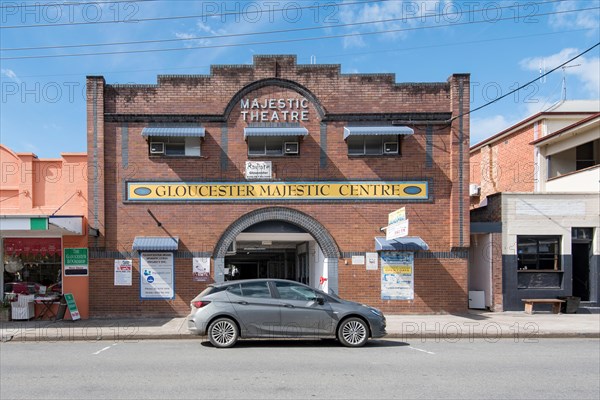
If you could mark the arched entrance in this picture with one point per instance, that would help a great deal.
(326, 267)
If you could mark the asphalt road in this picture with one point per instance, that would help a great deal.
(544, 369)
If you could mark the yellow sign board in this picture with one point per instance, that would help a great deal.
(227, 191)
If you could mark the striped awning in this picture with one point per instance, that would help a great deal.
(148, 243)
(376, 130)
(190, 131)
(296, 131)
(413, 243)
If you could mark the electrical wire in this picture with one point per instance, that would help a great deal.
(283, 40)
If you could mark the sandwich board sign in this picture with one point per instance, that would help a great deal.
(72, 306)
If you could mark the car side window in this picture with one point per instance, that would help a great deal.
(256, 290)
(234, 289)
(291, 291)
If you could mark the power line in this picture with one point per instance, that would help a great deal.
(526, 84)
(283, 40)
(404, 18)
(225, 14)
(390, 50)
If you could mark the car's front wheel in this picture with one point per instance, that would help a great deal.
(223, 332)
(353, 332)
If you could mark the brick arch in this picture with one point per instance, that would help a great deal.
(304, 221)
(283, 83)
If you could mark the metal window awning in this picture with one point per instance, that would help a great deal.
(147, 243)
(190, 131)
(413, 243)
(296, 131)
(376, 130)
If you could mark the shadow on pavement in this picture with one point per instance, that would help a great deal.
(291, 343)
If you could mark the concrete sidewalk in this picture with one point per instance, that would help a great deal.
(447, 327)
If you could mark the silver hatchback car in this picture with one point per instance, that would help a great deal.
(276, 308)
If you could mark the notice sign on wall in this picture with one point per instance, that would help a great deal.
(259, 170)
(201, 269)
(76, 262)
(157, 276)
(123, 272)
(397, 275)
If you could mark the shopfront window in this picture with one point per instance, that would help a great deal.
(539, 253)
(32, 265)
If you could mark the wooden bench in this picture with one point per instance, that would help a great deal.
(556, 303)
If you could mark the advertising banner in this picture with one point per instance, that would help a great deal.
(157, 276)
(123, 272)
(201, 269)
(397, 275)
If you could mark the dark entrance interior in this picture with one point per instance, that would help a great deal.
(270, 249)
(581, 251)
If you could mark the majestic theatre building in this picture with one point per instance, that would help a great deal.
(350, 183)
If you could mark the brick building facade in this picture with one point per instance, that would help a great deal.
(335, 154)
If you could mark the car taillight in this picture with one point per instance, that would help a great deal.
(200, 304)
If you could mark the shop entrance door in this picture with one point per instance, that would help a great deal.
(581, 270)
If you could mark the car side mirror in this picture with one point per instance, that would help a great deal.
(320, 300)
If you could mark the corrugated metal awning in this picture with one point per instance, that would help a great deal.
(190, 131)
(296, 131)
(147, 243)
(376, 130)
(413, 243)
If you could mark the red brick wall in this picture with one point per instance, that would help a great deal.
(440, 283)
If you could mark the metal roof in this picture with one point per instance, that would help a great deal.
(376, 130)
(147, 243)
(190, 131)
(401, 244)
(295, 131)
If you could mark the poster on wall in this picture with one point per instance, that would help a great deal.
(123, 272)
(397, 275)
(372, 261)
(157, 275)
(201, 269)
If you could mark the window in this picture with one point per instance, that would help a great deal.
(373, 145)
(33, 266)
(538, 253)
(235, 289)
(174, 146)
(272, 145)
(584, 155)
(256, 290)
(291, 291)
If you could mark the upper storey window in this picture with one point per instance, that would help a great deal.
(184, 141)
(274, 141)
(375, 140)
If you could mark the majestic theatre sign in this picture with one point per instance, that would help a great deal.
(244, 191)
(274, 110)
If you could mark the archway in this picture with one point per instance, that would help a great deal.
(328, 267)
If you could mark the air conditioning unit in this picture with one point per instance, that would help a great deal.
(390, 148)
(232, 249)
(157, 148)
(290, 148)
(474, 189)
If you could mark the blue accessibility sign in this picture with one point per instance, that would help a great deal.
(150, 279)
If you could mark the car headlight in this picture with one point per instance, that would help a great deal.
(376, 312)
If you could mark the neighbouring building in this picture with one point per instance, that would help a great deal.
(280, 170)
(535, 198)
(44, 231)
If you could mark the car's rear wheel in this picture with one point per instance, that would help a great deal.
(223, 332)
(353, 332)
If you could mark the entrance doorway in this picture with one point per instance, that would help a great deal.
(581, 246)
(275, 249)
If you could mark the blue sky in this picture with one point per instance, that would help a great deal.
(500, 45)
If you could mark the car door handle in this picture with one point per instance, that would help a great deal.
(288, 305)
(244, 303)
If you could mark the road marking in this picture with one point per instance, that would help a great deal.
(100, 351)
(424, 351)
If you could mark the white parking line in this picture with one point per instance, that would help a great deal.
(106, 348)
(424, 351)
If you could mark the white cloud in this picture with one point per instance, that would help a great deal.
(9, 73)
(189, 40)
(589, 19)
(585, 69)
(482, 128)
